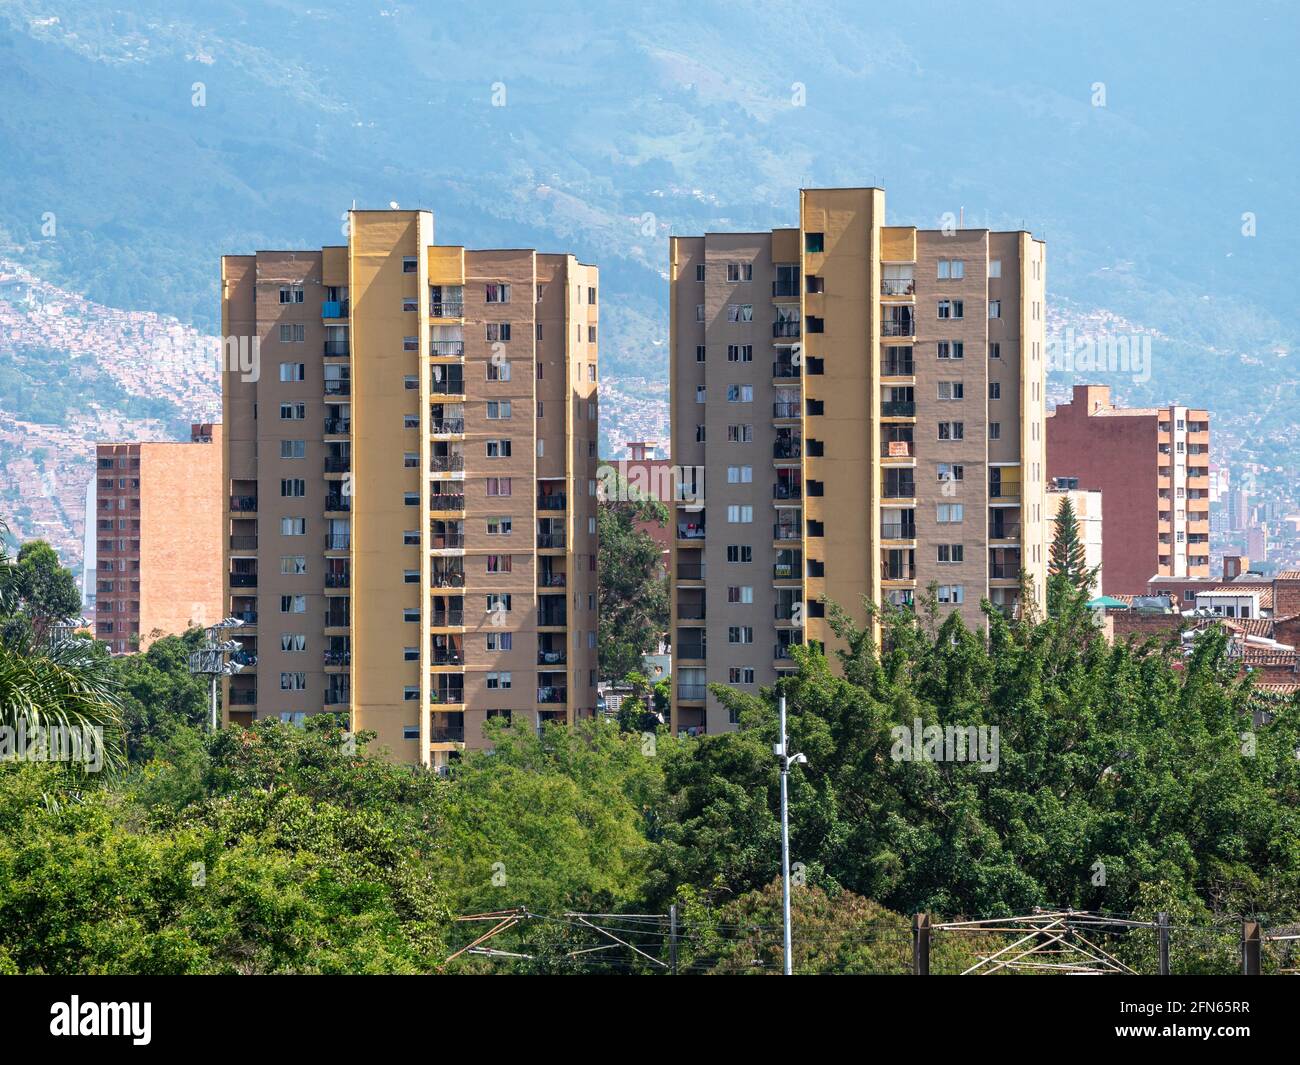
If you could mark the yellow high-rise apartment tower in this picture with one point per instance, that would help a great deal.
(857, 413)
(412, 482)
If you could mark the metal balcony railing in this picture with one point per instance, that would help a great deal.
(692, 692)
(243, 504)
(897, 329)
(447, 309)
(335, 348)
(898, 286)
(898, 409)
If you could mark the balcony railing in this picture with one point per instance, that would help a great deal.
(552, 580)
(785, 329)
(689, 531)
(337, 619)
(690, 571)
(1007, 530)
(446, 502)
(447, 656)
(338, 658)
(551, 539)
(243, 543)
(898, 368)
(243, 580)
(897, 286)
(447, 619)
(338, 426)
(243, 504)
(553, 501)
(338, 698)
(338, 463)
(334, 348)
(448, 734)
(442, 541)
(690, 650)
(890, 572)
(898, 409)
(781, 651)
(897, 449)
(446, 463)
(243, 696)
(781, 531)
(446, 426)
(785, 410)
(1004, 570)
(693, 692)
(446, 347)
(785, 369)
(447, 696)
(551, 657)
(898, 530)
(447, 309)
(552, 695)
(553, 618)
(338, 579)
(897, 329)
(452, 578)
(338, 541)
(690, 611)
(785, 571)
(334, 309)
(786, 490)
(248, 617)
(1007, 490)
(338, 502)
(448, 386)
(338, 386)
(787, 449)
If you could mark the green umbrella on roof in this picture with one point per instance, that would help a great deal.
(1103, 602)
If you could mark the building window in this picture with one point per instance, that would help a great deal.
(738, 593)
(951, 309)
(951, 349)
(952, 430)
(740, 352)
(499, 449)
(952, 269)
(293, 642)
(995, 268)
(500, 641)
(292, 487)
(293, 371)
(995, 430)
(950, 553)
(741, 553)
(498, 371)
(949, 513)
(293, 526)
(499, 526)
(740, 634)
(995, 390)
(498, 409)
(409, 264)
(951, 593)
(292, 332)
(699, 272)
(292, 294)
(499, 563)
(293, 604)
(952, 390)
(995, 350)
(814, 243)
(293, 565)
(995, 308)
(497, 293)
(293, 412)
(498, 486)
(951, 471)
(740, 312)
(497, 681)
(293, 449)
(293, 682)
(740, 393)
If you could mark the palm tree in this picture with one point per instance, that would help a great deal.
(55, 679)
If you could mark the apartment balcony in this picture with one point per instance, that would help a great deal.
(443, 503)
(781, 652)
(690, 650)
(338, 426)
(338, 502)
(444, 424)
(692, 693)
(248, 659)
(552, 695)
(447, 347)
(785, 410)
(449, 696)
(338, 619)
(248, 617)
(338, 578)
(897, 329)
(552, 618)
(783, 612)
(897, 449)
(338, 463)
(337, 659)
(334, 309)
(447, 578)
(447, 656)
(338, 541)
(787, 570)
(447, 309)
(338, 386)
(690, 530)
(898, 286)
(787, 490)
(1004, 571)
(243, 543)
(898, 368)
(786, 370)
(442, 541)
(551, 579)
(897, 409)
(1004, 491)
(242, 697)
(452, 618)
(690, 611)
(447, 385)
(897, 530)
(787, 449)
(550, 539)
(552, 501)
(335, 348)
(243, 580)
(446, 463)
(447, 734)
(897, 571)
(338, 697)
(1004, 530)
(243, 504)
(785, 330)
(784, 531)
(552, 657)
(785, 289)
(690, 571)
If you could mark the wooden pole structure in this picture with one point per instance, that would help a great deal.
(921, 944)
(1162, 939)
(1251, 941)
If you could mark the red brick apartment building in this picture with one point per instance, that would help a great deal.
(158, 550)
(1152, 466)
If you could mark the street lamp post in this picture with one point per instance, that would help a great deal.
(779, 749)
(213, 660)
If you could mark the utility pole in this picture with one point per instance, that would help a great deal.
(786, 762)
(672, 939)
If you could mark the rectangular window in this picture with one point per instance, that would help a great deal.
(292, 487)
(950, 349)
(292, 294)
(951, 593)
(740, 474)
(293, 565)
(740, 393)
(409, 264)
(498, 486)
(498, 449)
(740, 352)
(497, 681)
(740, 515)
(293, 526)
(995, 430)
(498, 409)
(740, 634)
(995, 390)
(952, 430)
(950, 553)
(995, 350)
(293, 449)
(292, 332)
(995, 308)
(995, 268)
(500, 641)
(497, 293)
(293, 682)
(951, 471)
(293, 412)
(293, 642)
(952, 390)
(293, 371)
(499, 526)
(293, 604)
(499, 563)
(740, 553)
(498, 371)
(740, 594)
(949, 513)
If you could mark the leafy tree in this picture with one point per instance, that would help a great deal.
(41, 592)
(633, 593)
(159, 693)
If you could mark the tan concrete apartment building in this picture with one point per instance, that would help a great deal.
(412, 484)
(158, 518)
(1152, 467)
(858, 413)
